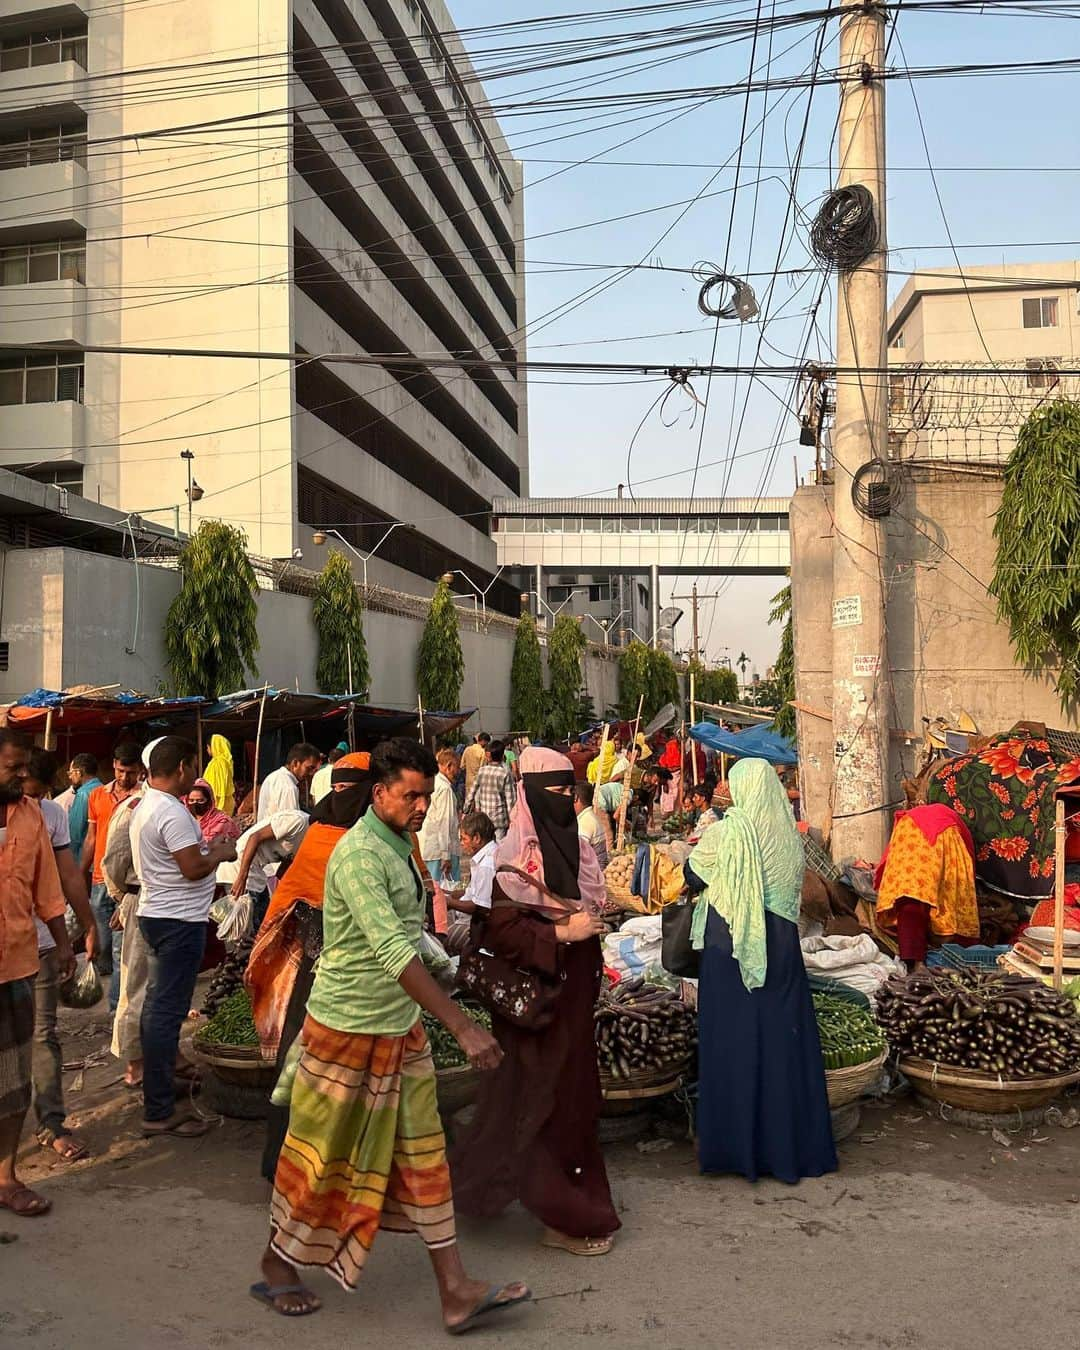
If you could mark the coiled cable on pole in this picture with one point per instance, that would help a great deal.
(845, 229)
(743, 304)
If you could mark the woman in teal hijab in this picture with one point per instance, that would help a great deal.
(762, 1104)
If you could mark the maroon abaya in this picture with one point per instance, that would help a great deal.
(534, 1136)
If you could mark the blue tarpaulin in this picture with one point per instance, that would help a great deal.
(755, 742)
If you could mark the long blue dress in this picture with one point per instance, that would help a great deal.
(762, 1104)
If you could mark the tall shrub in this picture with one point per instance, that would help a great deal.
(565, 646)
(1037, 570)
(662, 685)
(440, 665)
(211, 633)
(339, 622)
(633, 677)
(527, 702)
(784, 670)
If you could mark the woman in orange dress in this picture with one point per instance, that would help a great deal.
(926, 882)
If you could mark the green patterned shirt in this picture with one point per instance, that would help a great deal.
(373, 912)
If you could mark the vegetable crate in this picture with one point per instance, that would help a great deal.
(951, 954)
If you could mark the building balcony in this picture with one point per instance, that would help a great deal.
(59, 88)
(42, 434)
(46, 311)
(43, 201)
(42, 13)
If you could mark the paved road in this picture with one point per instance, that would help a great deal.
(928, 1236)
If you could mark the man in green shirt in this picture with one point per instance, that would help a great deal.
(365, 1148)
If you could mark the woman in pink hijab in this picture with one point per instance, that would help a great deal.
(534, 1136)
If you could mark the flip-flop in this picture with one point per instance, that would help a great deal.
(577, 1246)
(71, 1151)
(266, 1294)
(490, 1303)
(34, 1209)
(187, 1127)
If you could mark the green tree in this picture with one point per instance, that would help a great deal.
(211, 633)
(712, 686)
(527, 699)
(565, 646)
(742, 661)
(440, 665)
(662, 685)
(784, 669)
(633, 677)
(339, 622)
(1037, 568)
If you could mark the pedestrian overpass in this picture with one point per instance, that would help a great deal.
(579, 540)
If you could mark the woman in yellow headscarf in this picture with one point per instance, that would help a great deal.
(219, 774)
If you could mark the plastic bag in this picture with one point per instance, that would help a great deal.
(73, 926)
(433, 954)
(235, 920)
(84, 989)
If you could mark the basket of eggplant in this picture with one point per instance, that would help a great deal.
(646, 1037)
(982, 1040)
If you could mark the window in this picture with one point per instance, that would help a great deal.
(898, 340)
(1041, 312)
(54, 260)
(53, 378)
(44, 49)
(533, 524)
(558, 595)
(1041, 374)
(600, 591)
(43, 145)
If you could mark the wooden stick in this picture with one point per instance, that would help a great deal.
(1059, 889)
(420, 714)
(258, 741)
(48, 729)
(199, 737)
(693, 719)
(628, 777)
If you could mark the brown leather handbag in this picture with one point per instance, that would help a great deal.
(522, 997)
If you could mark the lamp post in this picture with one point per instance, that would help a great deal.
(554, 612)
(320, 537)
(194, 491)
(457, 572)
(606, 625)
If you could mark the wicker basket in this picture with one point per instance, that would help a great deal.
(243, 1065)
(971, 1090)
(457, 1088)
(848, 1085)
(625, 1095)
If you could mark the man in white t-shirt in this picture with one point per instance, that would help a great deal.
(177, 869)
(259, 851)
(48, 1059)
(478, 843)
(281, 790)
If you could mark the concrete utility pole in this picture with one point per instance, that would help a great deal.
(693, 598)
(861, 682)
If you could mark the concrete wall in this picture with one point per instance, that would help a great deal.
(947, 650)
(70, 618)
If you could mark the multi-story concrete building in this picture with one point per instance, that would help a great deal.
(273, 184)
(1004, 334)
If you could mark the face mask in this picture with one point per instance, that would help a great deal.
(199, 808)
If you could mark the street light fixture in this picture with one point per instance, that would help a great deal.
(320, 536)
(449, 576)
(557, 610)
(194, 491)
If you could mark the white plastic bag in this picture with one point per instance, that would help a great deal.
(233, 917)
(636, 947)
(84, 989)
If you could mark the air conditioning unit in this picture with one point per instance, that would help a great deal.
(565, 580)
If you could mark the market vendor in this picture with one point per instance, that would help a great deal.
(926, 882)
(701, 798)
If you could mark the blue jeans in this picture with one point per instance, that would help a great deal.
(107, 961)
(176, 950)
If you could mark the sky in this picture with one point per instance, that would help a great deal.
(1004, 152)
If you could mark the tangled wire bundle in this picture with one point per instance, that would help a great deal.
(743, 304)
(845, 230)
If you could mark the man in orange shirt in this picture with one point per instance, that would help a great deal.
(29, 886)
(103, 801)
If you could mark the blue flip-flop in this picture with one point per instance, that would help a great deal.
(489, 1303)
(267, 1293)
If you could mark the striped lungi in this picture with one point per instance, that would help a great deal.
(16, 1045)
(365, 1150)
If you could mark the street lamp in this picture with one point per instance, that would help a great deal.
(606, 625)
(194, 491)
(554, 612)
(320, 537)
(449, 576)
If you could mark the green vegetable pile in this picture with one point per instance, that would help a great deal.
(231, 1024)
(849, 1034)
(444, 1049)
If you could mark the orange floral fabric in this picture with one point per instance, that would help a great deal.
(939, 874)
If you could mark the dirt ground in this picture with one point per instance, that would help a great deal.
(929, 1235)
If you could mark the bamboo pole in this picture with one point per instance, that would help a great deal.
(420, 714)
(199, 737)
(48, 729)
(628, 777)
(1059, 889)
(693, 719)
(258, 742)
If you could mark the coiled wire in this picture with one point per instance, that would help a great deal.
(743, 304)
(845, 229)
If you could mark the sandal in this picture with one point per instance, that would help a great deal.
(269, 1294)
(24, 1202)
(577, 1246)
(64, 1144)
(184, 1127)
(495, 1300)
